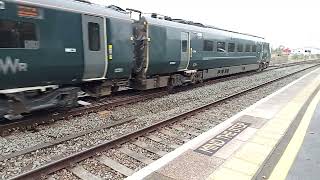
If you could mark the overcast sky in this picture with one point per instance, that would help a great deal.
(293, 23)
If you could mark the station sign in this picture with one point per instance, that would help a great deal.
(215, 144)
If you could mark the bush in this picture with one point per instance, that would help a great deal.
(296, 57)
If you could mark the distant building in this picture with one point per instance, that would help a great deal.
(286, 51)
(306, 51)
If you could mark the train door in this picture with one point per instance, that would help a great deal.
(261, 51)
(185, 51)
(94, 44)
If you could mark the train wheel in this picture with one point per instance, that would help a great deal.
(68, 101)
(260, 68)
(115, 88)
(199, 77)
(170, 89)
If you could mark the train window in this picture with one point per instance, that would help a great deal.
(207, 45)
(231, 47)
(221, 46)
(16, 34)
(248, 48)
(254, 48)
(184, 46)
(94, 36)
(240, 48)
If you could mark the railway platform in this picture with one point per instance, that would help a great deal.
(276, 138)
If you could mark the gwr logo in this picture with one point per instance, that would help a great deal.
(8, 65)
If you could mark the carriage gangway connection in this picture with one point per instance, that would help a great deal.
(276, 138)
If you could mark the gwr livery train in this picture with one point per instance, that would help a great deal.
(52, 50)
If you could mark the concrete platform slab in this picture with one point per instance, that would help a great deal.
(191, 165)
(226, 151)
(256, 122)
(246, 134)
(157, 176)
(226, 173)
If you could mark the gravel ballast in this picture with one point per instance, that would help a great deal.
(146, 112)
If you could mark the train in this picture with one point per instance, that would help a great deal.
(50, 51)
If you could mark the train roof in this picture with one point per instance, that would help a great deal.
(79, 6)
(198, 27)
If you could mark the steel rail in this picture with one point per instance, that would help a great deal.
(295, 63)
(43, 117)
(63, 139)
(80, 156)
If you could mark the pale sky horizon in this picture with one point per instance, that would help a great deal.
(291, 23)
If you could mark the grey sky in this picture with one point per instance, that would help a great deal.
(293, 23)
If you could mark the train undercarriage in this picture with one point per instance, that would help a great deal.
(15, 104)
(192, 76)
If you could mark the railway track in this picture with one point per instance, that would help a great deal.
(30, 122)
(293, 63)
(284, 65)
(168, 128)
(43, 117)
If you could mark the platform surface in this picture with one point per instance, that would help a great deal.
(307, 162)
(239, 147)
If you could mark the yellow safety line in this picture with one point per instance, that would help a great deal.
(284, 165)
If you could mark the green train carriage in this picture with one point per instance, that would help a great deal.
(50, 50)
(177, 52)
